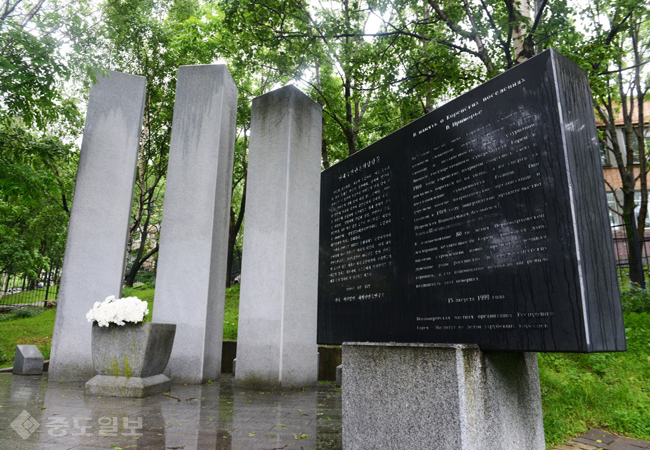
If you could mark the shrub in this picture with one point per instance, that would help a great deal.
(20, 313)
(636, 300)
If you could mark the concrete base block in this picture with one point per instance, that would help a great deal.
(339, 375)
(28, 360)
(442, 396)
(106, 385)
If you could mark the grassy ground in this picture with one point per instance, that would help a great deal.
(231, 313)
(16, 328)
(231, 310)
(610, 391)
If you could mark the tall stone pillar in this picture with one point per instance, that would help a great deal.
(190, 283)
(276, 344)
(95, 250)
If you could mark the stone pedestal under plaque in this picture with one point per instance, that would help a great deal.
(440, 396)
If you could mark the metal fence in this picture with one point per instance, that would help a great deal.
(621, 249)
(17, 290)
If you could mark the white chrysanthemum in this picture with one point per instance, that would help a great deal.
(118, 311)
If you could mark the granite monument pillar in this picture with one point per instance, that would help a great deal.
(95, 250)
(190, 283)
(276, 344)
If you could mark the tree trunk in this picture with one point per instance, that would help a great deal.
(129, 279)
(5, 282)
(235, 224)
(523, 11)
(323, 148)
(633, 248)
(640, 136)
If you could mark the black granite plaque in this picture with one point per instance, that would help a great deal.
(482, 222)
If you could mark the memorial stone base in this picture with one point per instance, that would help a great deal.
(110, 386)
(442, 396)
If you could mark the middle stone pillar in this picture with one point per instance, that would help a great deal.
(276, 342)
(191, 278)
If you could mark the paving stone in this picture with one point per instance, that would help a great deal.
(618, 445)
(591, 442)
(595, 434)
(642, 444)
(572, 445)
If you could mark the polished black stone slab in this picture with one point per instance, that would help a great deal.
(482, 222)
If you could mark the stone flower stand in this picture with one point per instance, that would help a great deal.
(130, 359)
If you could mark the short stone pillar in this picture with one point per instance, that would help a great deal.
(28, 360)
(276, 342)
(191, 278)
(442, 396)
(93, 267)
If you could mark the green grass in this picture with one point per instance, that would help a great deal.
(610, 391)
(38, 329)
(35, 330)
(231, 313)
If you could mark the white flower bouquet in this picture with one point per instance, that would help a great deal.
(118, 311)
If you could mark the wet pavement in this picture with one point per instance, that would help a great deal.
(39, 414)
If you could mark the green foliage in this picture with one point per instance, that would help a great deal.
(369, 83)
(33, 67)
(613, 46)
(28, 68)
(20, 313)
(36, 185)
(636, 300)
(37, 167)
(602, 390)
(31, 237)
(147, 278)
